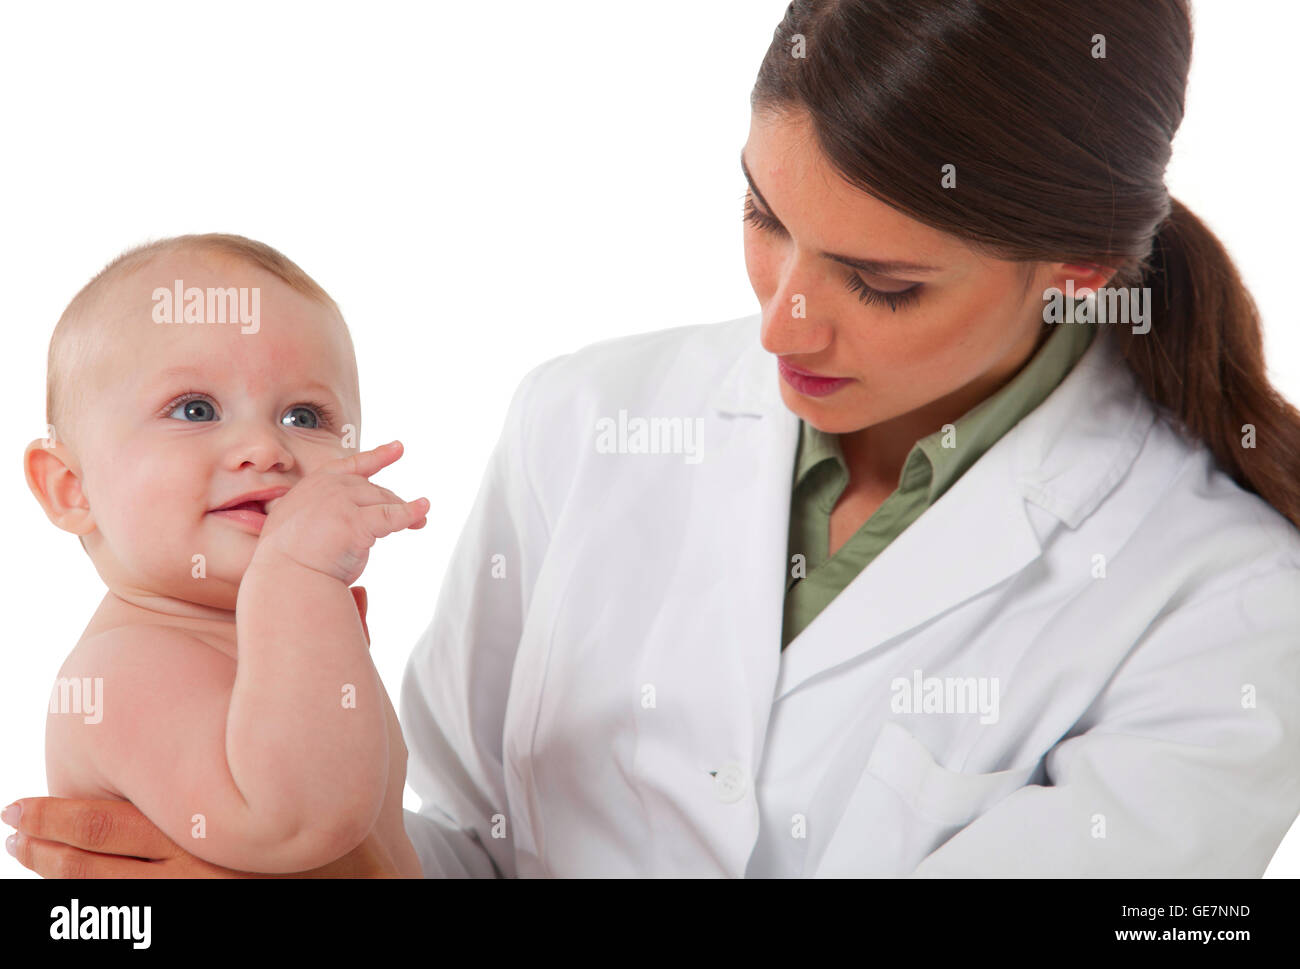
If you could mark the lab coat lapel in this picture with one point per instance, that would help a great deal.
(975, 536)
(741, 513)
(723, 657)
(716, 642)
(1064, 457)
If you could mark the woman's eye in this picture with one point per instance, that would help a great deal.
(195, 410)
(880, 297)
(760, 220)
(867, 294)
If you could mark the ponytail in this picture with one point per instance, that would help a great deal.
(1203, 362)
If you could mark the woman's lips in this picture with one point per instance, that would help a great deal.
(809, 385)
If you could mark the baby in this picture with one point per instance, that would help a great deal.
(203, 408)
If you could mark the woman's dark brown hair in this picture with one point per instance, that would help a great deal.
(1059, 155)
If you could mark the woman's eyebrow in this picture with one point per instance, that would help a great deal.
(878, 267)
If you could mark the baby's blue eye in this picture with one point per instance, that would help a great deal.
(196, 410)
(310, 421)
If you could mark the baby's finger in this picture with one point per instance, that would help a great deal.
(392, 499)
(373, 494)
(385, 519)
(365, 493)
(366, 463)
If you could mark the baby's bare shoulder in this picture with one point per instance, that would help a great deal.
(145, 647)
(117, 679)
(114, 684)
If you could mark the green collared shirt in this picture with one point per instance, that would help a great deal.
(931, 468)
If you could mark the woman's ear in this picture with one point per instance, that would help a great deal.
(57, 486)
(1088, 277)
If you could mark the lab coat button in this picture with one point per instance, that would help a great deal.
(729, 783)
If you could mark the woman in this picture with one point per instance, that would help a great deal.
(666, 645)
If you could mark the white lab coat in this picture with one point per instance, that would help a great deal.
(602, 690)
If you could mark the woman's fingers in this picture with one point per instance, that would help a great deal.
(363, 601)
(101, 826)
(52, 859)
(72, 838)
(61, 837)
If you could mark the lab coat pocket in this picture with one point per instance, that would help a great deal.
(906, 805)
(930, 790)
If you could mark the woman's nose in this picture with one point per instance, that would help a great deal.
(793, 319)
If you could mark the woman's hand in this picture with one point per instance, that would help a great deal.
(70, 838)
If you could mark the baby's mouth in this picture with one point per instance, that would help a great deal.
(250, 514)
(257, 506)
(250, 511)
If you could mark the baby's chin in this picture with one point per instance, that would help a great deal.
(222, 594)
(208, 584)
(166, 567)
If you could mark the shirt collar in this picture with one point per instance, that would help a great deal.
(936, 467)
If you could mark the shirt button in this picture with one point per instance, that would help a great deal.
(729, 783)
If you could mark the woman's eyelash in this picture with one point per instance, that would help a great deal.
(879, 297)
(323, 411)
(866, 294)
(760, 219)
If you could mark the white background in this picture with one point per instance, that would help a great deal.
(480, 186)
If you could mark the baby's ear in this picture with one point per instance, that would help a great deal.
(57, 487)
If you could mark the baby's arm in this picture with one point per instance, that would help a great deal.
(307, 734)
(288, 764)
(163, 743)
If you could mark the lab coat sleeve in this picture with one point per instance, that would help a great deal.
(1188, 764)
(457, 680)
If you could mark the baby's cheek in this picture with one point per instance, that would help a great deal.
(156, 546)
(158, 522)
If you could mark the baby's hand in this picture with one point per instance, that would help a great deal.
(328, 520)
